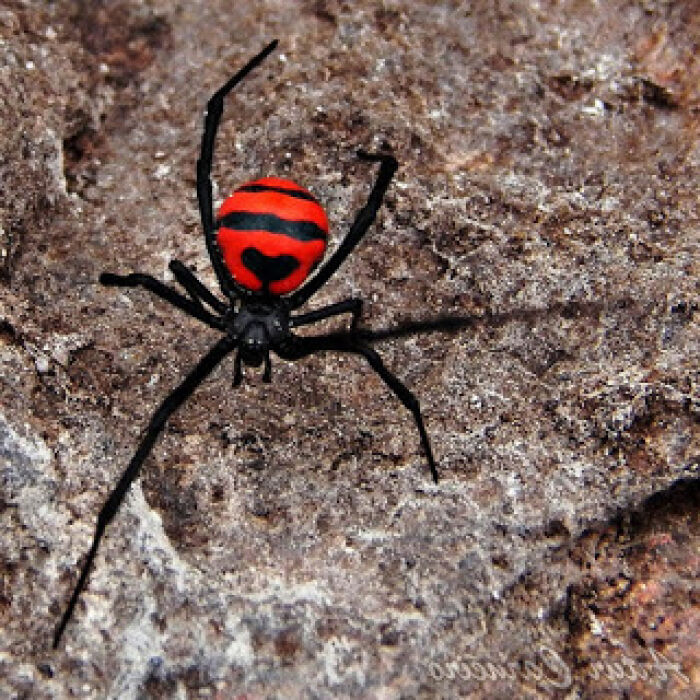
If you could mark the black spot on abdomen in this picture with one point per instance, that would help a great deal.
(268, 269)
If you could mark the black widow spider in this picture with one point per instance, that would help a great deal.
(255, 321)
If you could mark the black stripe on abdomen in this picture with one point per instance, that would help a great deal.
(299, 194)
(247, 221)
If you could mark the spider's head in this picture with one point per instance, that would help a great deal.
(254, 344)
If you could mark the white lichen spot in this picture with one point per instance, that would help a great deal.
(41, 362)
(597, 109)
(239, 652)
(340, 664)
(162, 171)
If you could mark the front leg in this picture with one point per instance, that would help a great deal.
(215, 108)
(364, 219)
(136, 279)
(352, 306)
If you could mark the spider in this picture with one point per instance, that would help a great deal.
(265, 241)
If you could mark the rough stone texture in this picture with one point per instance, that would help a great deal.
(285, 540)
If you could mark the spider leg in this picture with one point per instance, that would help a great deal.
(267, 373)
(363, 221)
(215, 108)
(237, 370)
(197, 291)
(352, 306)
(190, 307)
(179, 395)
(301, 347)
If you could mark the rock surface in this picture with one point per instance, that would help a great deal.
(285, 540)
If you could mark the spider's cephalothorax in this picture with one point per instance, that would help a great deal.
(256, 329)
(264, 242)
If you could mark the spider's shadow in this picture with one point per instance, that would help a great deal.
(453, 323)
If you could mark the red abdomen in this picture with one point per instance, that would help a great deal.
(272, 233)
